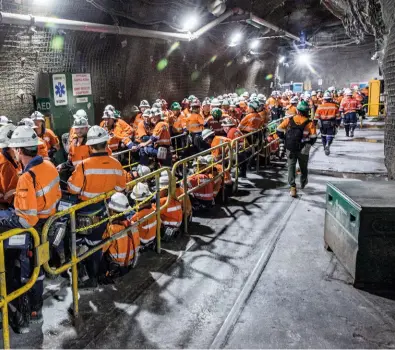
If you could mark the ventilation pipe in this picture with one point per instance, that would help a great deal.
(58, 23)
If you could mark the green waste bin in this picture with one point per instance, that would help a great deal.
(360, 230)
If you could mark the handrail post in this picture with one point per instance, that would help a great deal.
(258, 153)
(223, 173)
(74, 260)
(185, 183)
(158, 222)
(3, 294)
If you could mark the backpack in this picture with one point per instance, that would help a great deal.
(294, 136)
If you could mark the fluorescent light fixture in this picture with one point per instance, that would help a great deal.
(282, 59)
(304, 58)
(235, 39)
(190, 23)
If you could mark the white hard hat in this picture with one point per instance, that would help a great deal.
(81, 114)
(294, 99)
(155, 112)
(207, 133)
(307, 95)
(80, 123)
(96, 135)
(227, 122)
(314, 93)
(215, 103)
(200, 160)
(108, 114)
(209, 159)
(274, 93)
(147, 113)
(206, 102)
(140, 192)
(327, 95)
(24, 136)
(253, 95)
(144, 103)
(5, 135)
(28, 122)
(241, 99)
(164, 179)
(37, 116)
(232, 103)
(348, 92)
(109, 108)
(4, 120)
(235, 95)
(246, 94)
(220, 97)
(142, 170)
(119, 203)
(261, 97)
(225, 102)
(331, 88)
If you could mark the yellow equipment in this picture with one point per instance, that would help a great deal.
(374, 98)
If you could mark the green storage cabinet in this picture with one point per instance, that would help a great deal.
(360, 230)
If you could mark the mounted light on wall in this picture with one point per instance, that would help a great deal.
(190, 23)
(304, 58)
(235, 39)
(254, 44)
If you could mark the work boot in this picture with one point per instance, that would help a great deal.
(352, 133)
(36, 317)
(293, 192)
(327, 151)
(303, 185)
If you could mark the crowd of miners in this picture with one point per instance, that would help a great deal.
(33, 188)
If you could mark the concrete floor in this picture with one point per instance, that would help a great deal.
(189, 296)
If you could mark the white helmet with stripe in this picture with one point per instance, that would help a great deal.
(96, 135)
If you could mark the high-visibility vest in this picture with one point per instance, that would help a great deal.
(49, 138)
(42, 150)
(204, 193)
(327, 111)
(214, 125)
(77, 153)
(37, 192)
(123, 250)
(139, 118)
(349, 105)
(251, 122)
(142, 130)
(9, 170)
(180, 123)
(96, 175)
(195, 123)
(147, 229)
(219, 140)
(161, 132)
(172, 215)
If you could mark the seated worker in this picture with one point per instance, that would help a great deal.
(212, 141)
(216, 168)
(121, 255)
(42, 147)
(213, 122)
(195, 125)
(47, 135)
(37, 196)
(141, 195)
(9, 167)
(158, 145)
(171, 217)
(94, 176)
(144, 105)
(120, 133)
(202, 196)
(139, 171)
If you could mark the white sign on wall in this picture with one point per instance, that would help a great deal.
(82, 84)
(59, 89)
(320, 82)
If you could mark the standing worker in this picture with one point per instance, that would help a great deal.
(37, 195)
(328, 118)
(299, 134)
(195, 125)
(94, 176)
(349, 107)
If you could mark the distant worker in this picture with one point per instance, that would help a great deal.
(195, 124)
(328, 118)
(144, 105)
(291, 110)
(49, 137)
(349, 107)
(252, 121)
(299, 134)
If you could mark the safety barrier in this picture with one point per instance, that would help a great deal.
(41, 256)
(75, 259)
(252, 143)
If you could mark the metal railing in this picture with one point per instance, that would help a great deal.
(75, 258)
(41, 256)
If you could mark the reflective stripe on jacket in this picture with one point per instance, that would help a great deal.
(147, 229)
(161, 134)
(251, 122)
(9, 169)
(204, 193)
(195, 123)
(96, 175)
(40, 201)
(350, 105)
(172, 215)
(327, 111)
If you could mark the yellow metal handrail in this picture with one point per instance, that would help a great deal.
(72, 213)
(7, 298)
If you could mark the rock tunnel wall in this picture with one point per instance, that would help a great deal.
(124, 69)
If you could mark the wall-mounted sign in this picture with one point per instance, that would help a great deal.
(82, 99)
(82, 84)
(43, 104)
(320, 82)
(59, 89)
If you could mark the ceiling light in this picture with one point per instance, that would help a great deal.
(304, 58)
(235, 39)
(282, 59)
(254, 44)
(190, 23)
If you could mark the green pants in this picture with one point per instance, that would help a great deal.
(303, 160)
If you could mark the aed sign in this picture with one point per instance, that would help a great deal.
(59, 89)
(43, 104)
(82, 85)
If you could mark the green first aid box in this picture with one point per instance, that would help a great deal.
(360, 230)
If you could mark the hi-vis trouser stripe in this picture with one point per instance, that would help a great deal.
(172, 223)
(122, 255)
(49, 210)
(145, 241)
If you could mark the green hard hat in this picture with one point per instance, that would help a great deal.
(303, 106)
(191, 98)
(216, 113)
(175, 106)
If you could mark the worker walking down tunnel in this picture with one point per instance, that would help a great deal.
(300, 134)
